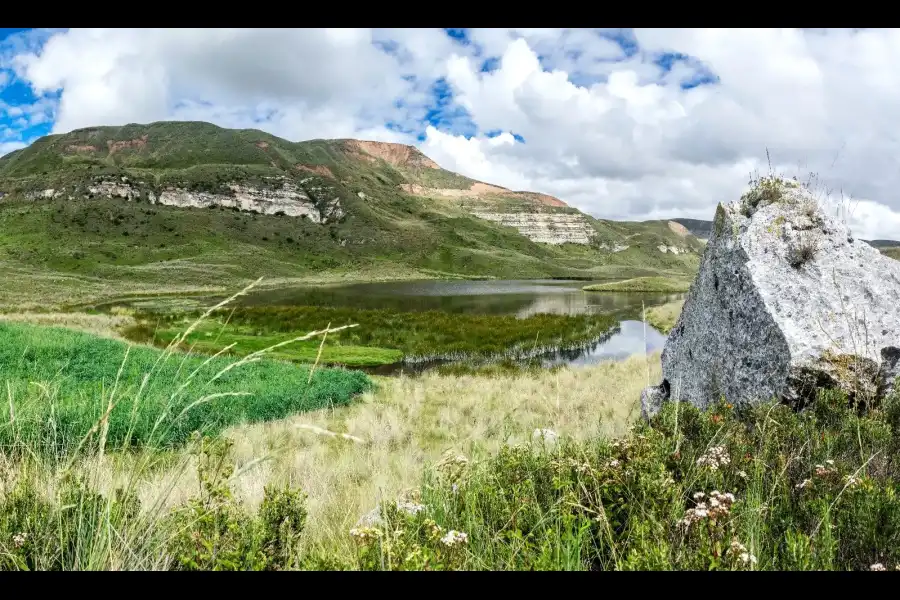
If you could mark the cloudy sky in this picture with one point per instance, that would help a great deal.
(623, 124)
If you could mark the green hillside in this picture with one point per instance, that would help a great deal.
(398, 215)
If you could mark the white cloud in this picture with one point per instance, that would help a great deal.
(609, 131)
(7, 147)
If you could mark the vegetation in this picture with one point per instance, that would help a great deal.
(60, 384)
(730, 488)
(343, 459)
(382, 336)
(765, 488)
(643, 284)
(663, 318)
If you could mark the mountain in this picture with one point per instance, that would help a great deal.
(193, 202)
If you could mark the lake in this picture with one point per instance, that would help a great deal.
(521, 298)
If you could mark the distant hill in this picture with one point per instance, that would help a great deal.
(182, 201)
(698, 227)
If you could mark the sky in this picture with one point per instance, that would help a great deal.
(622, 124)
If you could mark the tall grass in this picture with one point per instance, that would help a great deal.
(63, 387)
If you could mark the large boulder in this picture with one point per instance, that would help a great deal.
(787, 301)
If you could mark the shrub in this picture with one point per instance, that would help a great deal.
(726, 489)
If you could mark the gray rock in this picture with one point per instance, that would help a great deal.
(652, 399)
(890, 371)
(372, 518)
(786, 300)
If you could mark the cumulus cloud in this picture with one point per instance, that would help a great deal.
(622, 124)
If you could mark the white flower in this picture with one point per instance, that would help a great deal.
(877, 567)
(454, 538)
(410, 508)
(742, 474)
(365, 534)
(613, 463)
(714, 458)
(803, 484)
(19, 539)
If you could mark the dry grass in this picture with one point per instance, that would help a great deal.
(103, 325)
(664, 317)
(392, 435)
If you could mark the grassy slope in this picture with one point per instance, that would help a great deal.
(81, 374)
(106, 247)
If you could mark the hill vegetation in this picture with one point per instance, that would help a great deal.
(375, 211)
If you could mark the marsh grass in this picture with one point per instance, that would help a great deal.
(663, 318)
(382, 337)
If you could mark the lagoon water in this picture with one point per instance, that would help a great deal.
(521, 298)
(508, 297)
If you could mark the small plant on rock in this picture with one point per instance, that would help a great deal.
(803, 250)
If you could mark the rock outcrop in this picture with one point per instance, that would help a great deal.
(280, 196)
(545, 228)
(786, 301)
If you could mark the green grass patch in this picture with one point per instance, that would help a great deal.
(210, 338)
(381, 334)
(643, 284)
(60, 383)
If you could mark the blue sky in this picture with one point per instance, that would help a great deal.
(17, 121)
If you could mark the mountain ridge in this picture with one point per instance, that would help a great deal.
(125, 201)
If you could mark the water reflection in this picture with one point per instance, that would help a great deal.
(522, 298)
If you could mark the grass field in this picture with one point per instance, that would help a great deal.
(382, 336)
(60, 383)
(346, 459)
(643, 284)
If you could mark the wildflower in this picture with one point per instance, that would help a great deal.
(742, 474)
(612, 464)
(365, 534)
(410, 508)
(852, 481)
(454, 488)
(716, 507)
(454, 538)
(877, 567)
(715, 457)
(803, 484)
(19, 539)
(739, 551)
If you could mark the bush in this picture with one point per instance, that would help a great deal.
(725, 489)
